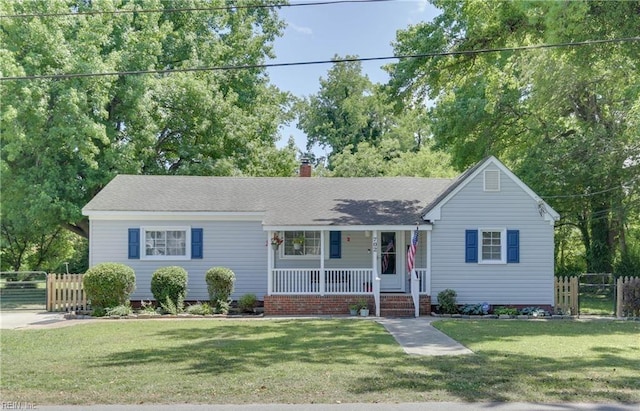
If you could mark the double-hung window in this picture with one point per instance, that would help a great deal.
(166, 243)
(492, 246)
(301, 243)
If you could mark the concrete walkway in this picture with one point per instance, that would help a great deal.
(418, 337)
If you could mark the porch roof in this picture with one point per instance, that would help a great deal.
(284, 201)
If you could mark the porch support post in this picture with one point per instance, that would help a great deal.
(270, 262)
(322, 276)
(427, 279)
(376, 277)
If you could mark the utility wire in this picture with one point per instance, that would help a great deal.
(191, 9)
(316, 62)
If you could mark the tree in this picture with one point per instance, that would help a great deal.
(345, 112)
(565, 119)
(64, 138)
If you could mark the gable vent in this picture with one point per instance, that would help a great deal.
(491, 180)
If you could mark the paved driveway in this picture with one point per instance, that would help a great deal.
(13, 319)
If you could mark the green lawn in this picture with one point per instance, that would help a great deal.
(596, 304)
(305, 361)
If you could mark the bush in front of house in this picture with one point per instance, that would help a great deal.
(220, 281)
(169, 287)
(199, 309)
(247, 303)
(109, 285)
(447, 301)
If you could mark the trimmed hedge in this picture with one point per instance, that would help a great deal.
(109, 284)
(169, 282)
(220, 281)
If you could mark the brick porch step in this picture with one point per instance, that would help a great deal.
(396, 305)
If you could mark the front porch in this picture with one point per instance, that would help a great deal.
(322, 272)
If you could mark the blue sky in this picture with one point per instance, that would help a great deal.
(320, 32)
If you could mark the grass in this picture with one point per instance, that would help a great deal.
(317, 361)
(23, 298)
(597, 304)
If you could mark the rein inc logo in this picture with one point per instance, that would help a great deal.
(18, 405)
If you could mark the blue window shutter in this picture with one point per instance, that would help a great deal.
(196, 243)
(335, 244)
(513, 246)
(134, 243)
(471, 246)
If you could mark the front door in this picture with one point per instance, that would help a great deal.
(391, 259)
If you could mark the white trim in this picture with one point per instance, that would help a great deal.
(428, 276)
(322, 272)
(422, 227)
(550, 214)
(174, 215)
(270, 263)
(187, 245)
(92, 243)
(503, 245)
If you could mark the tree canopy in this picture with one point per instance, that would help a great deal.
(565, 119)
(63, 139)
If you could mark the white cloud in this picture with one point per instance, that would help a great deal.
(300, 29)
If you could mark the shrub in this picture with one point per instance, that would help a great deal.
(473, 309)
(121, 310)
(247, 302)
(169, 283)
(534, 311)
(505, 311)
(109, 284)
(631, 298)
(146, 307)
(199, 309)
(221, 307)
(447, 301)
(220, 282)
(173, 308)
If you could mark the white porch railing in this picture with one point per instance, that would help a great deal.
(424, 281)
(333, 281)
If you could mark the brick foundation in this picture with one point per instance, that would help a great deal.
(329, 304)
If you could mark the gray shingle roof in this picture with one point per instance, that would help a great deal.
(285, 201)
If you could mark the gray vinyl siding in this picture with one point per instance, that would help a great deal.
(529, 282)
(355, 254)
(238, 245)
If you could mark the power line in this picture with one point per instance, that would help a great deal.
(191, 9)
(316, 62)
(585, 195)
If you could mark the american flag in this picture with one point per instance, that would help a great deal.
(411, 254)
(385, 258)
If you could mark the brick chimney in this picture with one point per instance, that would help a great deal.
(305, 167)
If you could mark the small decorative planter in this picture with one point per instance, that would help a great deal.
(364, 312)
(353, 311)
(275, 246)
(297, 246)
